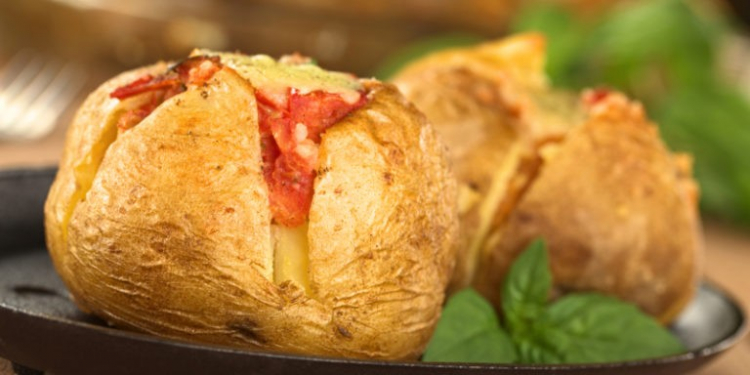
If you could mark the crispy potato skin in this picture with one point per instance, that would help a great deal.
(174, 238)
(618, 211)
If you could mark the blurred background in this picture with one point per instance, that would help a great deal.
(686, 60)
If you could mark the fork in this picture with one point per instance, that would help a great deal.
(34, 92)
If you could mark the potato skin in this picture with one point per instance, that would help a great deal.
(174, 236)
(86, 137)
(467, 110)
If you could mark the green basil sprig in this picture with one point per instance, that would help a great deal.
(577, 328)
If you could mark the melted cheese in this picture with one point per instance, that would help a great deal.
(275, 77)
(291, 256)
(85, 171)
(489, 206)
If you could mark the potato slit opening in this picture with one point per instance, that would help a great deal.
(489, 205)
(527, 170)
(510, 183)
(86, 170)
(291, 256)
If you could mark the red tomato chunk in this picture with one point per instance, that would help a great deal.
(194, 71)
(290, 129)
(290, 137)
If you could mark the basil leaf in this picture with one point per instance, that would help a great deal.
(579, 328)
(526, 288)
(469, 331)
(535, 349)
(590, 327)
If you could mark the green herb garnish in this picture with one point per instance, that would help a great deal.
(578, 328)
(469, 331)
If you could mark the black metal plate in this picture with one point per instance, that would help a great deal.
(42, 329)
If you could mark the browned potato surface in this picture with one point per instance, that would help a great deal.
(590, 176)
(165, 228)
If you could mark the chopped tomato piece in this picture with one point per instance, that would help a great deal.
(133, 117)
(290, 137)
(597, 95)
(319, 110)
(146, 83)
(198, 70)
(291, 125)
(194, 71)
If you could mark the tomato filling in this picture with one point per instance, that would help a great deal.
(193, 71)
(290, 128)
(290, 132)
(597, 95)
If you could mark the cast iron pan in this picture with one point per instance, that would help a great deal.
(41, 329)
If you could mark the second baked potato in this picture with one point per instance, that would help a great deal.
(591, 176)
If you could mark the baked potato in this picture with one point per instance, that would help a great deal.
(250, 202)
(590, 175)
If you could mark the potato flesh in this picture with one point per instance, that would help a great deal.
(467, 198)
(291, 259)
(85, 172)
(488, 207)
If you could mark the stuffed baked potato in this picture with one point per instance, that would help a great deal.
(591, 176)
(250, 202)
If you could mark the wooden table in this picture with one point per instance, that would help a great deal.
(727, 253)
